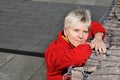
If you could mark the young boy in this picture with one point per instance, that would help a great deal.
(71, 46)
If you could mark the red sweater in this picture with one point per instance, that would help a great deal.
(60, 54)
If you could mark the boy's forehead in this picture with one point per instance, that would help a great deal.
(79, 28)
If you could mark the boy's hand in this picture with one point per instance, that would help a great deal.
(98, 44)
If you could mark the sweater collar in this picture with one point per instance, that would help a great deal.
(62, 38)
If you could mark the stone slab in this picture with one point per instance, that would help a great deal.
(40, 74)
(5, 58)
(21, 68)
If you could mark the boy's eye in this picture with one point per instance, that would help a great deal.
(76, 30)
(85, 31)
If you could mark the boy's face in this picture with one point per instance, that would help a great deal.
(76, 35)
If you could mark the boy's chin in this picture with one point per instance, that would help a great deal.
(79, 44)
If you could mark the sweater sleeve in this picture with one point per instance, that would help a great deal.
(64, 58)
(97, 27)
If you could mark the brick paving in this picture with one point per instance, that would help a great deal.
(27, 27)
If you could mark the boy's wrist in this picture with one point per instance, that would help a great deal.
(99, 35)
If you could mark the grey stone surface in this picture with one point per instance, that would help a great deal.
(8, 45)
(104, 77)
(108, 71)
(102, 3)
(40, 74)
(84, 2)
(87, 2)
(27, 25)
(5, 58)
(21, 68)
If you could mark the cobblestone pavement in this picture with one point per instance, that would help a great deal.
(27, 27)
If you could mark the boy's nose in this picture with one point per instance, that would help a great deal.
(80, 35)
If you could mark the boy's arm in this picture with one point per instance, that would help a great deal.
(61, 59)
(99, 33)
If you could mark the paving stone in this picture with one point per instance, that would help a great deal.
(109, 64)
(5, 58)
(7, 10)
(22, 20)
(103, 77)
(16, 4)
(118, 77)
(39, 49)
(25, 47)
(98, 57)
(24, 41)
(8, 16)
(41, 72)
(117, 47)
(21, 68)
(4, 18)
(8, 45)
(43, 41)
(60, 1)
(114, 52)
(92, 62)
(107, 39)
(6, 23)
(18, 34)
(101, 2)
(115, 42)
(115, 58)
(87, 2)
(42, 36)
(3, 2)
(4, 38)
(2, 32)
(11, 1)
(108, 71)
(31, 48)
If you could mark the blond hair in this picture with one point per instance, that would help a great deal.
(78, 16)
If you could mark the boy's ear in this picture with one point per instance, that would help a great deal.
(65, 32)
